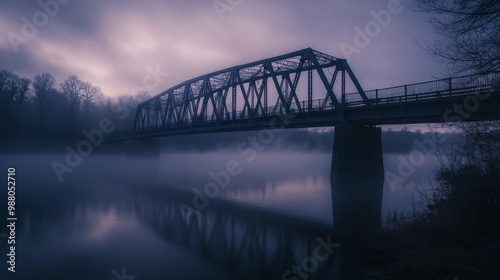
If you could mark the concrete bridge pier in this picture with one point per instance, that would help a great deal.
(357, 179)
(147, 147)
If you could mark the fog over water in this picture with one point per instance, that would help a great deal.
(113, 212)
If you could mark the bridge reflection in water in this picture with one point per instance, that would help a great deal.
(122, 216)
(251, 242)
(242, 239)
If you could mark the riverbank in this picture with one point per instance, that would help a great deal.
(431, 251)
(456, 235)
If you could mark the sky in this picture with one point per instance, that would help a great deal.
(124, 46)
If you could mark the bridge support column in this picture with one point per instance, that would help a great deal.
(143, 147)
(357, 179)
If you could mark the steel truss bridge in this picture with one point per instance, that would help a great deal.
(316, 89)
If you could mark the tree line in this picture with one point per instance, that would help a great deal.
(305, 140)
(41, 112)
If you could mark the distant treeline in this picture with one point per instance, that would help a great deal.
(40, 114)
(402, 141)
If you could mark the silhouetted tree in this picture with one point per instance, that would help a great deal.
(129, 102)
(90, 95)
(6, 97)
(469, 180)
(72, 89)
(13, 92)
(23, 90)
(482, 145)
(44, 88)
(470, 43)
(470, 34)
(133, 100)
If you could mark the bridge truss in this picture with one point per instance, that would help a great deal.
(278, 85)
(310, 87)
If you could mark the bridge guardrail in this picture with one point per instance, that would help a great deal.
(442, 87)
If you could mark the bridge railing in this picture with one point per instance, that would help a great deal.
(437, 88)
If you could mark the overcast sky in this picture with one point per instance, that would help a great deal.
(113, 43)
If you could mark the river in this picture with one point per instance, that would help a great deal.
(214, 215)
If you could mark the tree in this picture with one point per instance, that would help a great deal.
(127, 105)
(90, 95)
(23, 90)
(469, 31)
(44, 88)
(13, 92)
(72, 89)
(133, 101)
(481, 145)
(7, 92)
(469, 190)
(470, 42)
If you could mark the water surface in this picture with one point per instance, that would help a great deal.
(113, 216)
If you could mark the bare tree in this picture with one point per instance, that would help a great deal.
(8, 90)
(23, 91)
(469, 31)
(142, 96)
(482, 145)
(72, 89)
(44, 88)
(133, 100)
(470, 43)
(90, 95)
(13, 92)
